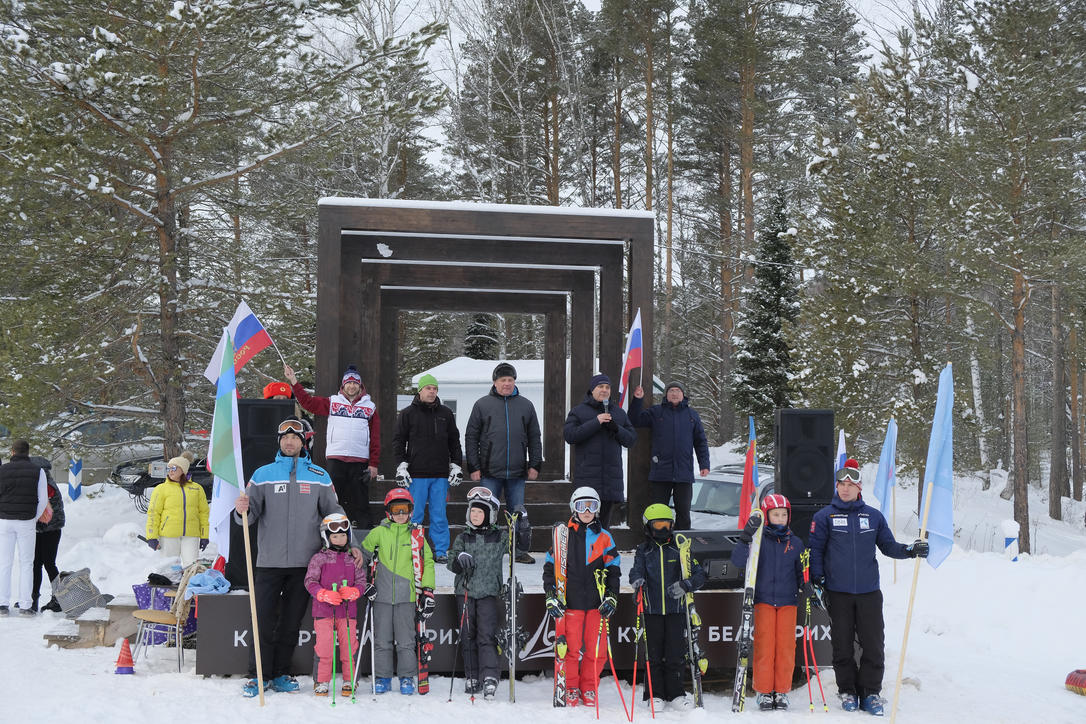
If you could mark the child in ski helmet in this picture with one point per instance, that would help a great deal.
(779, 580)
(177, 516)
(398, 597)
(476, 559)
(591, 560)
(335, 580)
(658, 575)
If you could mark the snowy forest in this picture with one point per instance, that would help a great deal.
(838, 215)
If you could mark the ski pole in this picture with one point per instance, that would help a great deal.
(814, 663)
(645, 639)
(332, 683)
(637, 651)
(805, 559)
(601, 589)
(460, 647)
(350, 643)
(611, 661)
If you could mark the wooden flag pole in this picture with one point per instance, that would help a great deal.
(912, 598)
(252, 608)
(893, 522)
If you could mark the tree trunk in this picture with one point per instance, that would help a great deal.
(1020, 470)
(1076, 437)
(978, 404)
(650, 131)
(670, 120)
(616, 144)
(169, 375)
(726, 425)
(1057, 475)
(746, 138)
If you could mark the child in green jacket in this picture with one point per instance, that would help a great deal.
(400, 550)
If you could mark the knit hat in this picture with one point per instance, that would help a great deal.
(183, 461)
(675, 384)
(426, 380)
(600, 379)
(504, 369)
(277, 388)
(850, 471)
(351, 375)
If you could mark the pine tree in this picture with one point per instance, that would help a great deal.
(483, 337)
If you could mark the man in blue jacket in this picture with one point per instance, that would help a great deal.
(843, 539)
(598, 431)
(676, 435)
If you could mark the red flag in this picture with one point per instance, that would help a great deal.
(750, 478)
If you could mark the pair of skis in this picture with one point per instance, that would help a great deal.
(560, 548)
(423, 646)
(745, 639)
(697, 660)
(514, 639)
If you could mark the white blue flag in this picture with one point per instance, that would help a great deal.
(939, 471)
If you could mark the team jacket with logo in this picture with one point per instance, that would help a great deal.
(843, 540)
(288, 499)
(353, 425)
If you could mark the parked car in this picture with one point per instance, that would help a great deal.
(103, 444)
(715, 503)
(138, 477)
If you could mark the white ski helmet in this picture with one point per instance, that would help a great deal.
(335, 523)
(584, 493)
(481, 497)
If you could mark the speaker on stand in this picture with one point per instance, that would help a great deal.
(804, 454)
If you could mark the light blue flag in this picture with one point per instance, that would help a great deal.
(887, 475)
(939, 470)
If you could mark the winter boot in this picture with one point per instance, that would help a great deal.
(780, 701)
(765, 702)
(53, 605)
(657, 704)
(472, 686)
(573, 697)
(321, 688)
(407, 685)
(588, 697)
(872, 704)
(490, 687)
(382, 684)
(848, 701)
(681, 703)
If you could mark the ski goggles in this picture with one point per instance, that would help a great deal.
(339, 526)
(294, 426)
(399, 509)
(586, 505)
(480, 491)
(660, 524)
(848, 475)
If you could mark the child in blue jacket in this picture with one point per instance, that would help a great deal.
(779, 580)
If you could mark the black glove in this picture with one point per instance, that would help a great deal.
(917, 549)
(813, 592)
(203, 543)
(608, 606)
(371, 591)
(747, 534)
(426, 603)
(637, 584)
(466, 562)
(152, 543)
(555, 609)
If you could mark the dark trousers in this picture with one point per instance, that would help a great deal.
(479, 637)
(281, 600)
(45, 555)
(352, 484)
(661, 492)
(606, 506)
(666, 637)
(857, 617)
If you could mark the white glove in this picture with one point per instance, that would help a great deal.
(456, 475)
(403, 478)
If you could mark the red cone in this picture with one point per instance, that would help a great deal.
(124, 660)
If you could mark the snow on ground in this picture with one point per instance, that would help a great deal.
(991, 640)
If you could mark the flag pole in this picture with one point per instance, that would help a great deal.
(912, 598)
(252, 608)
(893, 520)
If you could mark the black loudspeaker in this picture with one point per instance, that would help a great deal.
(259, 423)
(804, 454)
(802, 513)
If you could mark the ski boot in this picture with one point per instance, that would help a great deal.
(780, 701)
(407, 685)
(848, 701)
(765, 702)
(283, 684)
(872, 704)
(588, 697)
(320, 688)
(490, 687)
(382, 684)
(573, 697)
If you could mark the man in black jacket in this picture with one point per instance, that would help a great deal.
(503, 442)
(23, 497)
(598, 431)
(428, 457)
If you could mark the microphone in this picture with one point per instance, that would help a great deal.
(606, 406)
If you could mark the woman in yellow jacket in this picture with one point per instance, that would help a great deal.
(177, 517)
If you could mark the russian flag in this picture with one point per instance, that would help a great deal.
(631, 360)
(249, 338)
(749, 491)
(841, 457)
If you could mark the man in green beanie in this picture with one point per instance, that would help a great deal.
(428, 458)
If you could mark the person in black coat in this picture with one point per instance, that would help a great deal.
(48, 538)
(598, 431)
(676, 435)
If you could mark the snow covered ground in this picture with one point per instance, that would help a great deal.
(991, 640)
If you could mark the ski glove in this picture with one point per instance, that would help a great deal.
(466, 563)
(555, 609)
(152, 543)
(203, 543)
(677, 589)
(818, 587)
(350, 593)
(608, 606)
(371, 592)
(456, 475)
(813, 592)
(403, 478)
(426, 603)
(637, 583)
(917, 549)
(747, 534)
(332, 598)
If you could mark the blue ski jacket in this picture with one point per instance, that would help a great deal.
(780, 572)
(676, 435)
(843, 540)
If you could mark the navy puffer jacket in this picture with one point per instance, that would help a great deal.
(780, 572)
(676, 435)
(843, 541)
(598, 448)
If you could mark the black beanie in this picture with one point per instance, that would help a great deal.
(504, 369)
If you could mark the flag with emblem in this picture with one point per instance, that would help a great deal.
(224, 452)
